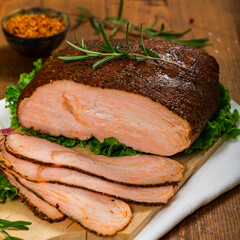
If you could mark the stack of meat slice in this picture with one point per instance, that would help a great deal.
(56, 181)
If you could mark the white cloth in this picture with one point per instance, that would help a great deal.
(219, 174)
(4, 115)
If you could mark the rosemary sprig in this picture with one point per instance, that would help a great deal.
(153, 33)
(12, 225)
(110, 53)
(86, 13)
(194, 42)
(171, 36)
(119, 23)
(116, 22)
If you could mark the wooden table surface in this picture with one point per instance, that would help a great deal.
(217, 19)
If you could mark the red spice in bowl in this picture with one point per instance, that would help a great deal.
(35, 31)
(34, 26)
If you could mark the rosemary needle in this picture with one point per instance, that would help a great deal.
(5, 224)
(118, 23)
(110, 53)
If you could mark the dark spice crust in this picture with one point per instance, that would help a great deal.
(191, 93)
(30, 205)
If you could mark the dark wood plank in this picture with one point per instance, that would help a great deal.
(12, 63)
(217, 20)
(84, 30)
(217, 220)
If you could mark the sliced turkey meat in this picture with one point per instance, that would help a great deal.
(130, 170)
(39, 173)
(101, 214)
(38, 206)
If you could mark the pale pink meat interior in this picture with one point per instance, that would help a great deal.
(79, 111)
(99, 213)
(42, 173)
(138, 169)
(42, 206)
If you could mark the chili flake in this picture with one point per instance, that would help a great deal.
(34, 26)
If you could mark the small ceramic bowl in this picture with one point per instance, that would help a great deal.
(36, 46)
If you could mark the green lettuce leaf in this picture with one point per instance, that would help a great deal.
(110, 147)
(223, 122)
(12, 93)
(67, 142)
(6, 190)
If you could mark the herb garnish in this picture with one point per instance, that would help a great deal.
(12, 225)
(223, 122)
(119, 23)
(6, 190)
(115, 22)
(110, 53)
(12, 93)
(67, 142)
(110, 147)
(171, 36)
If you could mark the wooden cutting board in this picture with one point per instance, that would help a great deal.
(68, 230)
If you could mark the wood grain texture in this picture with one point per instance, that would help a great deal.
(15, 210)
(218, 19)
(217, 220)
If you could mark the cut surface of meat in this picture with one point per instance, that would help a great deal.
(102, 214)
(131, 170)
(152, 106)
(38, 206)
(86, 111)
(40, 173)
